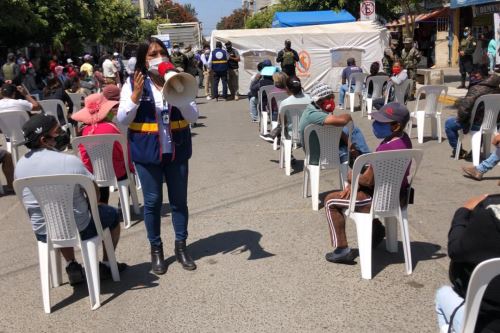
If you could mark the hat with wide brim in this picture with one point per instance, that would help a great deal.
(96, 109)
(268, 70)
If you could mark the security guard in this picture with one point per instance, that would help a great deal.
(288, 57)
(390, 56)
(178, 58)
(218, 60)
(465, 51)
(232, 73)
(410, 58)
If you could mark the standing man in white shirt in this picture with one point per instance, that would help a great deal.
(109, 71)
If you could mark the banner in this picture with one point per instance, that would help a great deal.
(367, 10)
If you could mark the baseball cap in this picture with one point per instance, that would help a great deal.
(320, 90)
(268, 70)
(69, 60)
(392, 112)
(36, 127)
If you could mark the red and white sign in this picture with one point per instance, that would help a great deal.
(367, 10)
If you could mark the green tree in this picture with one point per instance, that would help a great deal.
(234, 21)
(264, 19)
(175, 12)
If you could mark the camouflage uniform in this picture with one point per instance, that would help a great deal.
(467, 45)
(179, 60)
(410, 60)
(390, 55)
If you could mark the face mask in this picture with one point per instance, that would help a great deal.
(396, 70)
(207, 52)
(62, 141)
(176, 50)
(466, 34)
(328, 105)
(154, 63)
(381, 130)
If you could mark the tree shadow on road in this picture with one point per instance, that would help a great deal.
(135, 277)
(233, 242)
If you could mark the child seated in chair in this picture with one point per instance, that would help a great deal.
(388, 125)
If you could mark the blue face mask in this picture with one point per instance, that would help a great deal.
(466, 34)
(381, 130)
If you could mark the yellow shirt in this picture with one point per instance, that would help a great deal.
(86, 67)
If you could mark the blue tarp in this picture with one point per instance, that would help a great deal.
(297, 19)
(463, 3)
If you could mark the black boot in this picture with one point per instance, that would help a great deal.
(183, 257)
(158, 264)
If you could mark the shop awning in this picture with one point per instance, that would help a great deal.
(424, 17)
(297, 19)
(464, 3)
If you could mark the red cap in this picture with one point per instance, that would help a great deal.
(164, 67)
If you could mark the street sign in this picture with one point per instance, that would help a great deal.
(367, 10)
(165, 38)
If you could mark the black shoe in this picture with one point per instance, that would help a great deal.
(105, 271)
(158, 264)
(266, 137)
(76, 274)
(183, 256)
(378, 233)
(341, 256)
(462, 155)
(275, 132)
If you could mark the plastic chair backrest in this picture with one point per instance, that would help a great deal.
(329, 143)
(291, 114)
(50, 106)
(479, 280)
(401, 90)
(432, 94)
(78, 100)
(278, 96)
(359, 79)
(262, 90)
(54, 195)
(100, 151)
(491, 109)
(378, 85)
(389, 169)
(11, 124)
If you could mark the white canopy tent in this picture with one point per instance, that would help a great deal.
(323, 49)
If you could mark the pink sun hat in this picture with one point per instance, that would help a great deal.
(96, 109)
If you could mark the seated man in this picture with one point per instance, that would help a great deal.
(473, 238)
(486, 165)
(258, 81)
(346, 72)
(399, 75)
(480, 84)
(320, 112)
(45, 139)
(8, 169)
(389, 124)
(10, 103)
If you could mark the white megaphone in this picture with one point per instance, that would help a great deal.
(179, 88)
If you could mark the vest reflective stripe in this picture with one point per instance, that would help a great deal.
(219, 62)
(153, 127)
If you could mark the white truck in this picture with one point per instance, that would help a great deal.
(183, 34)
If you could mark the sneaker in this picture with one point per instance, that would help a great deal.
(378, 233)
(340, 107)
(275, 132)
(76, 274)
(341, 256)
(266, 137)
(255, 120)
(472, 172)
(209, 98)
(236, 98)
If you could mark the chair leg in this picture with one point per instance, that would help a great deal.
(282, 153)
(89, 253)
(486, 144)
(434, 127)
(55, 267)
(459, 144)
(133, 194)
(264, 123)
(409, 126)
(137, 181)
(476, 147)
(43, 258)
(369, 107)
(288, 157)
(352, 97)
(274, 124)
(391, 234)
(439, 128)
(420, 115)
(314, 175)
(110, 251)
(364, 232)
(343, 173)
(405, 237)
(305, 188)
(123, 190)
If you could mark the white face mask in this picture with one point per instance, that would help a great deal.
(154, 63)
(176, 50)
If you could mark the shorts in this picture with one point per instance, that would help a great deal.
(109, 220)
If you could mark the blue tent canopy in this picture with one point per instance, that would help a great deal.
(297, 19)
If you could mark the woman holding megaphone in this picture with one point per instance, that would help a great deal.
(160, 144)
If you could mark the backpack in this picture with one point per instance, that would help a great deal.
(288, 58)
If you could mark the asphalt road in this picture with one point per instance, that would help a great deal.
(259, 249)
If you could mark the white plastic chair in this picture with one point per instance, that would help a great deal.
(389, 168)
(278, 97)
(329, 141)
(78, 100)
(263, 114)
(431, 110)
(11, 124)
(55, 197)
(289, 114)
(377, 92)
(50, 106)
(100, 151)
(358, 88)
(400, 91)
(488, 127)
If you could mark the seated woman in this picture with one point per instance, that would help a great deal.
(374, 71)
(279, 79)
(54, 90)
(473, 238)
(389, 124)
(97, 115)
(399, 75)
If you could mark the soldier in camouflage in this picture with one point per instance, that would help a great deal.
(178, 58)
(390, 55)
(410, 58)
(465, 51)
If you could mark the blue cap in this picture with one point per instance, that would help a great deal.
(268, 70)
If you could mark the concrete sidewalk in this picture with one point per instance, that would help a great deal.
(259, 248)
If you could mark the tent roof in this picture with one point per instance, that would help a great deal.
(296, 19)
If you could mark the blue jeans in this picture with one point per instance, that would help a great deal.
(342, 92)
(492, 58)
(446, 302)
(357, 139)
(452, 126)
(489, 163)
(175, 175)
(109, 219)
(253, 108)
